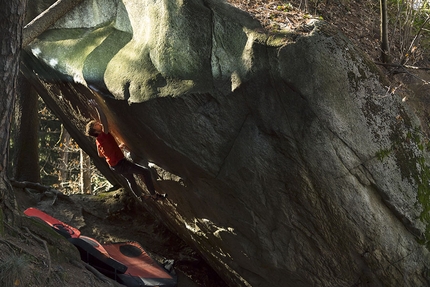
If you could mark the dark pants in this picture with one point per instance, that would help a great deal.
(127, 169)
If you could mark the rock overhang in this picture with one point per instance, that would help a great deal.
(290, 143)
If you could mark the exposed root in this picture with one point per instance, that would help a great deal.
(48, 255)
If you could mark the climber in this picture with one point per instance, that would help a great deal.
(108, 148)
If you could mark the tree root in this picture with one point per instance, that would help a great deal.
(11, 245)
(46, 190)
(48, 255)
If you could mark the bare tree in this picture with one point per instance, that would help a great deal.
(64, 142)
(85, 175)
(11, 23)
(385, 47)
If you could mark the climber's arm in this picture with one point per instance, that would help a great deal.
(101, 116)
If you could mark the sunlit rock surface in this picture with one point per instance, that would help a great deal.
(285, 160)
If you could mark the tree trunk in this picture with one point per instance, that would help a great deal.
(385, 48)
(64, 142)
(11, 22)
(26, 137)
(85, 173)
(25, 159)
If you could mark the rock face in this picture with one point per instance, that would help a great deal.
(286, 161)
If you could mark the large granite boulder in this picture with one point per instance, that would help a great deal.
(286, 161)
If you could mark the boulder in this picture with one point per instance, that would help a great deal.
(286, 161)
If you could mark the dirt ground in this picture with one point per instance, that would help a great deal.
(107, 217)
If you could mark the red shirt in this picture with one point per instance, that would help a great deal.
(108, 147)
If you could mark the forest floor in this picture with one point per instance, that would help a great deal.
(109, 217)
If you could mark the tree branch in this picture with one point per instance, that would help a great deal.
(405, 56)
(46, 190)
(48, 255)
(402, 66)
(46, 19)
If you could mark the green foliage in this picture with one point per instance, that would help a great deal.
(422, 178)
(415, 167)
(383, 154)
